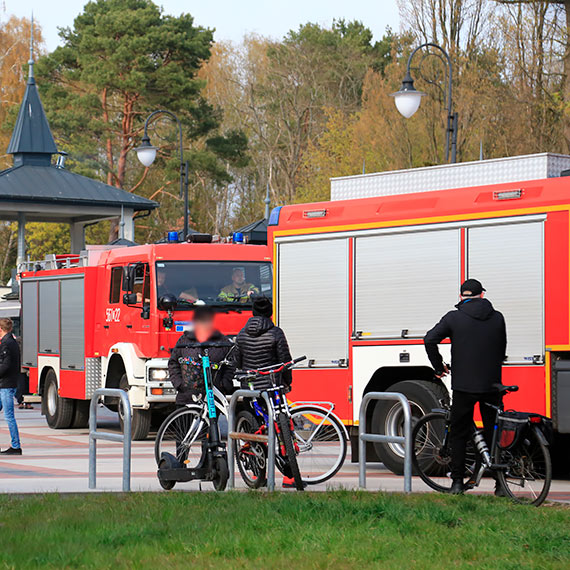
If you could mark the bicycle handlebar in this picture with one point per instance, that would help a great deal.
(273, 369)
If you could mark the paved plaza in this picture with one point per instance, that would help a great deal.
(58, 460)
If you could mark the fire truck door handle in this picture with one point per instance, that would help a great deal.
(105, 326)
(129, 326)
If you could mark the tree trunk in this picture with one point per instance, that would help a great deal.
(566, 85)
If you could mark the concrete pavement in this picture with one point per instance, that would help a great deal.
(58, 460)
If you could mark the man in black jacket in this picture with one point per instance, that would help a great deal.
(260, 343)
(188, 378)
(478, 347)
(9, 372)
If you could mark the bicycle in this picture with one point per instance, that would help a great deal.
(318, 439)
(188, 445)
(519, 458)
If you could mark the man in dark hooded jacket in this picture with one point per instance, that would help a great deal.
(478, 346)
(260, 343)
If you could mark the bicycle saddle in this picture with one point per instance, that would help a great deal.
(502, 389)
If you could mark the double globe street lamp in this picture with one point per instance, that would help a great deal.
(146, 154)
(408, 99)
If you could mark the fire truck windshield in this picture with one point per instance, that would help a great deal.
(226, 284)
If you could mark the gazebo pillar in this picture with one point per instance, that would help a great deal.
(127, 225)
(77, 230)
(21, 255)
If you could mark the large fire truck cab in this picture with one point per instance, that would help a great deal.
(360, 281)
(96, 320)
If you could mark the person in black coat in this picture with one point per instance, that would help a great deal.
(478, 349)
(260, 343)
(9, 372)
(187, 378)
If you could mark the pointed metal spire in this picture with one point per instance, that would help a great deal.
(31, 60)
(32, 141)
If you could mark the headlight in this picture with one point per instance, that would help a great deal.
(158, 373)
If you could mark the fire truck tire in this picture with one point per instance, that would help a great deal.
(81, 414)
(140, 419)
(59, 411)
(388, 417)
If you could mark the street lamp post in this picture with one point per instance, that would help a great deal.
(146, 154)
(408, 100)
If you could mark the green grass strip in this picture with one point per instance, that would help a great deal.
(341, 529)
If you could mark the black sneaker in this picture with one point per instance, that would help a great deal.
(457, 487)
(12, 451)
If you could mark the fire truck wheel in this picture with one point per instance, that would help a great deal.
(59, 411)
(388, 417)
(81, 414)
(140, 419)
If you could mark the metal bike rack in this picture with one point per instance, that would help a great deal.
(406, 439)
(123, 438)
(270, 436)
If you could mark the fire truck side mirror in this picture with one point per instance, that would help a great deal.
(167, 303)
(128, 279)
(130, 299)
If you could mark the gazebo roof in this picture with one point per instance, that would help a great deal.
(55, 185)
(256, 232)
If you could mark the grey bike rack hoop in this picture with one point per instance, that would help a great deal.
(123, 438)
(270, 434)
(406, 439)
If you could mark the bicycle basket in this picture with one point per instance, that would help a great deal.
(511, 425)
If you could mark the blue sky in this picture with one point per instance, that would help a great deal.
(231, 18)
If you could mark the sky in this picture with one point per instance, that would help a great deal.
(232, 19)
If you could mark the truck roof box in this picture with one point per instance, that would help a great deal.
(448, 176)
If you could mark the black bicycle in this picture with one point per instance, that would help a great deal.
(250, 455)
(519, 458)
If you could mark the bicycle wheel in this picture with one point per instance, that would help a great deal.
(182, 434)
(251, 456)
(290, 453)
(322, 443)
(431, 453)
(528, 476)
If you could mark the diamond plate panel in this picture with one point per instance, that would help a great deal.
(92, 376)
(448, 176)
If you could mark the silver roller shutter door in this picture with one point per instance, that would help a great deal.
(49, 317)
(29, 323)
(313, 300)
(72, 324)
(508, 260)
(405, 281)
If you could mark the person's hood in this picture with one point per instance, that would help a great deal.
(477, 308)
(256, 326)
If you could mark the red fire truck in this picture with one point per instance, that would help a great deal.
(358, 282)
(96, 320)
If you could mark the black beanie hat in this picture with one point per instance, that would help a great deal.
(262, 307)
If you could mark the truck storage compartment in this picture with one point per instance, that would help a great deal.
(313, 300)
(561, 395)
(49, 317)
(29, 293)
(72, 324)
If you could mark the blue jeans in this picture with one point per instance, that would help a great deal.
(7, 404)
